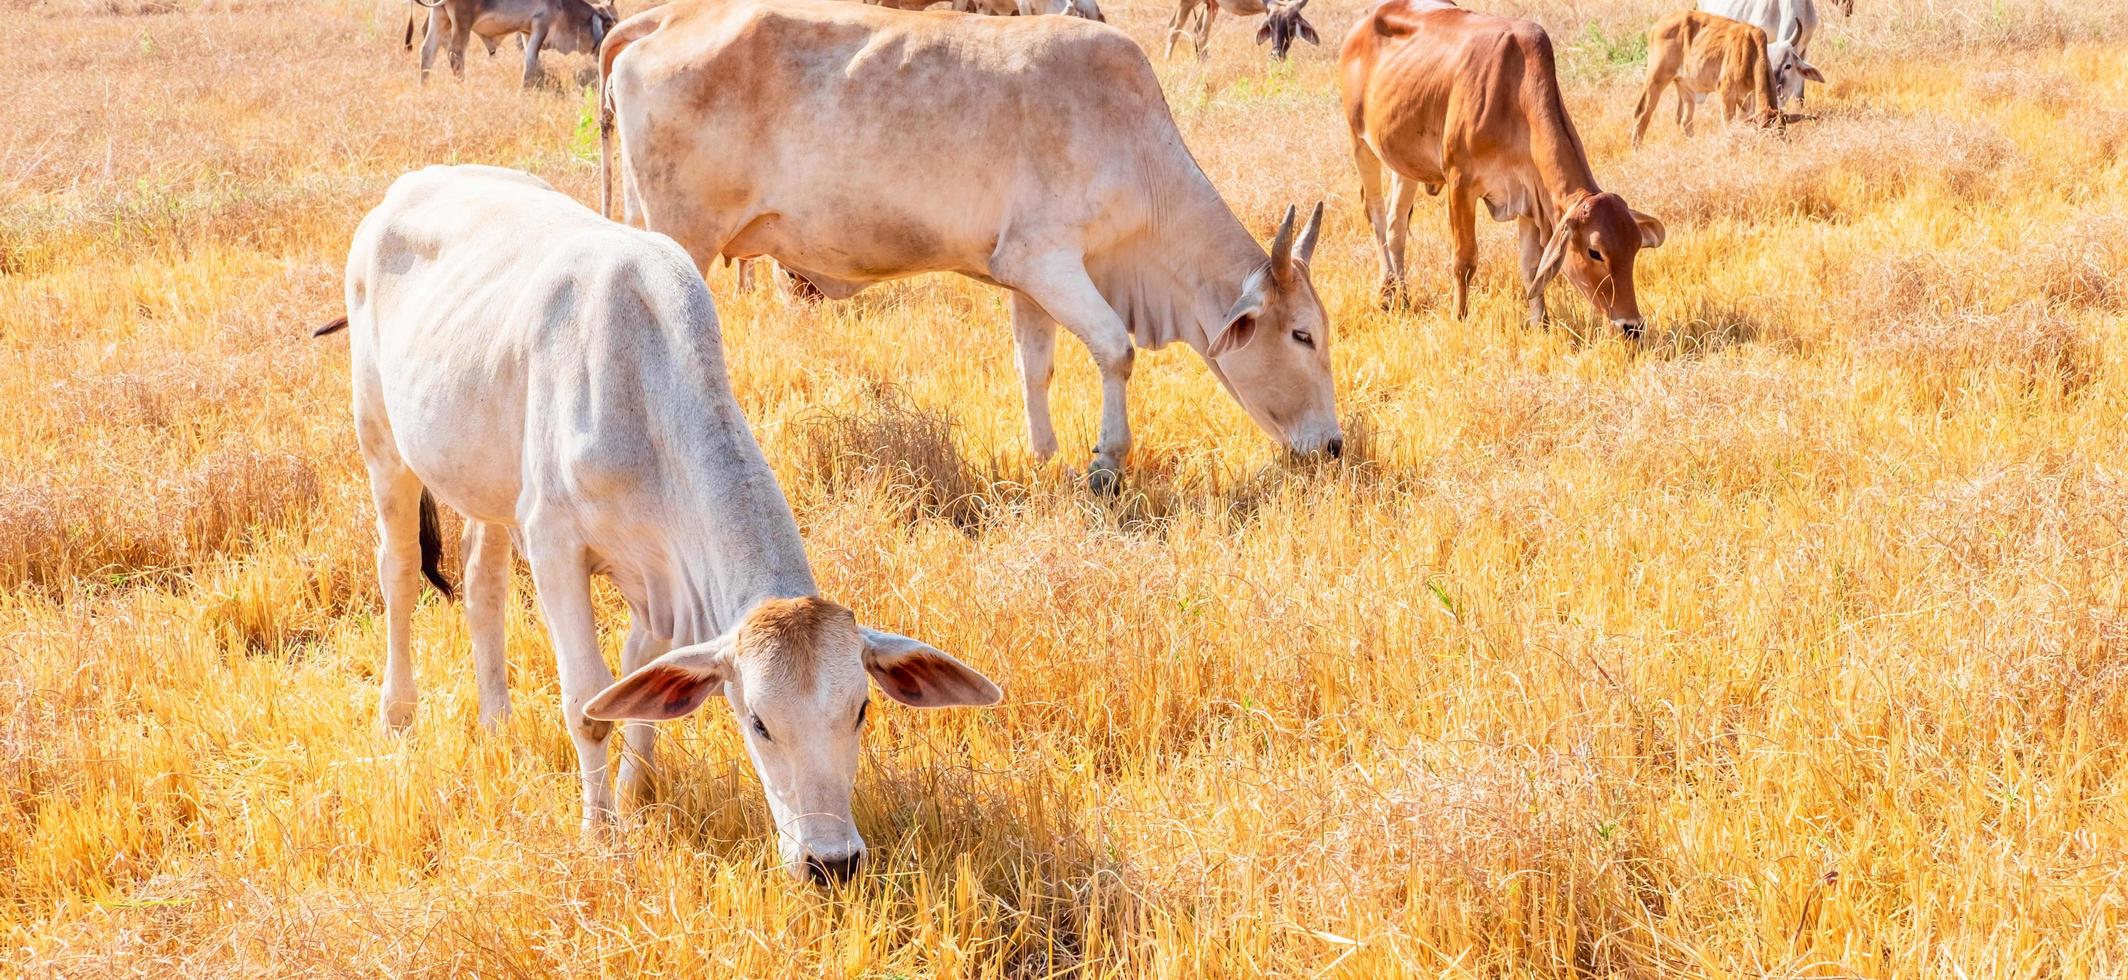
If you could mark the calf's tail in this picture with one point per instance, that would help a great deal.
(432, 547)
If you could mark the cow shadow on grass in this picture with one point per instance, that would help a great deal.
(1052, 896)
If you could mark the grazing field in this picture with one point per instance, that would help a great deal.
(1790, 641)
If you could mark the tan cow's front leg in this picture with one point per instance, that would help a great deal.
(1059, 284)
(1178, 24)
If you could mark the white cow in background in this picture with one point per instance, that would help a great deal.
(559, 380)
(1789, 25)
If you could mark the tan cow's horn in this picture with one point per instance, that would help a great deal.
(1282, 244)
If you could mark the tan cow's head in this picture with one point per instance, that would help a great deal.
(1273, 353)
(1595, 243)
(794, 671)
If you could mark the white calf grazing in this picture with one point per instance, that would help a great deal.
(559, 380)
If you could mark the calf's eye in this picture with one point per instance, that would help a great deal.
(1595, 256)
(761, 729)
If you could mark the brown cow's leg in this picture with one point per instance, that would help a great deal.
(1403, 191)
(1371, 169)
(461, 32)
(430, 41)
(1533, 240)
(1463, 226)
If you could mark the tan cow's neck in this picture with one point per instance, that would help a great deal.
(1178, 278)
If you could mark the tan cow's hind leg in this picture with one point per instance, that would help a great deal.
(1059, 284)
(487, 596)
(1463, 227)
(1034, 335)
(1210, 10)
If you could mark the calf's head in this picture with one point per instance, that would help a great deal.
(1283, 24)
(794, 671)
(1595, 243)
(1273, 351)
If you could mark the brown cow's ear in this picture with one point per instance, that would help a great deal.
(669, 687)
(1307, 30)
(1554, 256)
(1651, 230)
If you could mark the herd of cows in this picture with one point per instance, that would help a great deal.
(558, 377)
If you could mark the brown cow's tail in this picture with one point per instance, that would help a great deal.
(623, 34)
(432, 547)
(408, 43)
(335, 326)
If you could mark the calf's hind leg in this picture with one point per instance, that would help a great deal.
(397, 495)
(487, 597)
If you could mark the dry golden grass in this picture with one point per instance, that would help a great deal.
(1793, 642)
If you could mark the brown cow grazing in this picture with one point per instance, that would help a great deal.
(561, 26)
(1700, 53)
(1441, 96)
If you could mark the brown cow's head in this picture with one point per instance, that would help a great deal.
(1283, 24)
(1596, 242)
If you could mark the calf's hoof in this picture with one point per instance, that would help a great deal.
(396, 717)
(1104, 478)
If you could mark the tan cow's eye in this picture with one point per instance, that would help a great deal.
(1304, 338)
(862, 707)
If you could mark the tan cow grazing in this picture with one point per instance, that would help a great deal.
(1440, 96)
(1048, 164)
(1700, 53)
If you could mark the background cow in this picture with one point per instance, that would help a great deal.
(561, 26)
(1441, 96)
(1282, 23)
(1698, 53)
(1789, 26)
(559, 380)
(1050, 166)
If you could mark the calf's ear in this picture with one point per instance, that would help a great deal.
(669, 687)
(919, 674)
(1651, 230)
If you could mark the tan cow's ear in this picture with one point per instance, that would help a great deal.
(1651, 230)
(669, 687)
(920, 675)
(1240, 326)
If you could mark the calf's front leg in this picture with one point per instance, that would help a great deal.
(561, 572)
